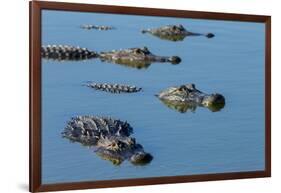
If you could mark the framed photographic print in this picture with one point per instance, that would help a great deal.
(123, 96)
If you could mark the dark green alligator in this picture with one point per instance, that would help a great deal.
(136, 57)
(96, 27)
(66, 52)
(174, 33)
(113, 88)
(110, 138)
(187, 97)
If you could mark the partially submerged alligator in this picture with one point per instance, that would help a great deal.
(113, 88)
(97, 27)
(109, 137)
(187, 97)
(174, 33)
(66, 52)
(136, 57)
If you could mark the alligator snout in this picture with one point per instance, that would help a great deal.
(210, 35)
(213, 99)
(175, 60)
(141, 158)
(218, 98)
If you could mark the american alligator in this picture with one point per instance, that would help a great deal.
(66, 52)
(187, 97)
(110, 139)
(97, 27)
(113, 88)
(136, 57)
(174, 33)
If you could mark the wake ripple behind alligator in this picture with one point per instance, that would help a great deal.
(109, 137)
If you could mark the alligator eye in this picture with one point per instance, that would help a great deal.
(182, 88)
(138, 51)
(114, 144)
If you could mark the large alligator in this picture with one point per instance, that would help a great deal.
(66, 52)
(110, 139)
(97, 27)
(187, 97)
(113, 88)
(136, 57)
(174, 33)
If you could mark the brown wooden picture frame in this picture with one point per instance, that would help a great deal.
(35, 95)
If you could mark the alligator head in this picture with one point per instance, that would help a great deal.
(187, 97)
(174, 33)
(136, 57)
(117, 149)
(110, 139)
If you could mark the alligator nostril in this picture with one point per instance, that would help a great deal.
(141, 158)
(210, 35)
(218, 98)
(175, 60)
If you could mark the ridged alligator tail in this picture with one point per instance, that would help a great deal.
(113, 88)
(66, 52)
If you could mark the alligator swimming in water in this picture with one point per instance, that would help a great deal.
(110, 139)
(97, 27)
(187, 97)
(136, 57)
(113, 88)
(174, 33)
(66, 52)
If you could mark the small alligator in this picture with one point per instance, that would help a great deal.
(136, 57)
(65, 52)
(174, 33)
(110, 139)
(97, 27)
(187, 97)
(113, 88)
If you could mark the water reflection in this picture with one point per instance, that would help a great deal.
(183, 107)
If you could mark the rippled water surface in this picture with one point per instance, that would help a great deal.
(198, 142)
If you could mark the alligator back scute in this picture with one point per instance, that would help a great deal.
(109, 137)
(85, 129)
(114, 88)
(66, 52)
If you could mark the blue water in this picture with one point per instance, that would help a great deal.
(200, 142)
